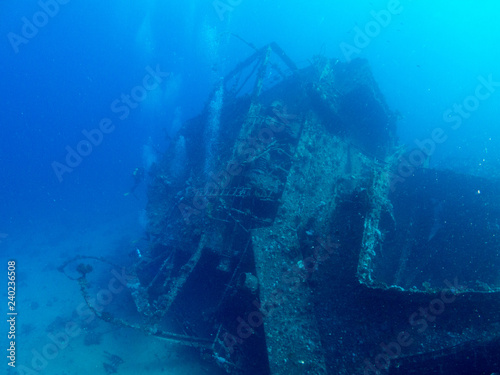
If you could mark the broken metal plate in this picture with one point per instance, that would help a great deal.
(442, 226)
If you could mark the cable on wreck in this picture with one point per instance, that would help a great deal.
(84, 269)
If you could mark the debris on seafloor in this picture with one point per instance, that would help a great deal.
(289, 234)
(113, 361)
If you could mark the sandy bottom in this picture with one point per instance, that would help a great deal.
(52, 336)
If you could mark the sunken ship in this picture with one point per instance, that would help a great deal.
(290, 233)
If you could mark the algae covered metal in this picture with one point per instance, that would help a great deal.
(284, 241)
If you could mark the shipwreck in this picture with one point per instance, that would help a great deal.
(290, 233)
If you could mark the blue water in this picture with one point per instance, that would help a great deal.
(61, 78)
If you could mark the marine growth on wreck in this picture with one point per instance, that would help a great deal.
(283, 241)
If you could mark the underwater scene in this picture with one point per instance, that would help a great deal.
(243, 187)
